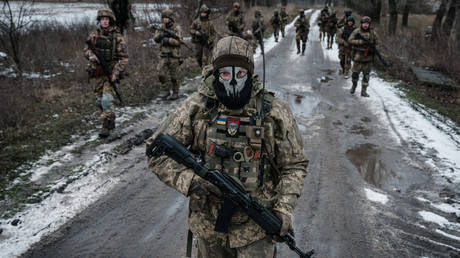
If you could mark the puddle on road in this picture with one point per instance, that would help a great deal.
(298, 99)
(371, 168)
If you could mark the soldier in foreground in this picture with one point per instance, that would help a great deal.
(344, 47)
(276, 23)
(302, 29)
(343, 20)
(203, 35)
(108, 44)
(284, 20)
(235, 21)
(168, 35)
(363, 56)
(258, 26)
(331, 29)
(221, 123)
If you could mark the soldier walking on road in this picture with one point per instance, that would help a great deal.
(258, 26)
(322, 23)
(235, 21)
(203, 35)
(344, 47)
(331, 29)
(363, 57)
(343, 20)
(109, 45)
(284, 20)
(302, 29)
(276, 23)
(168, 35)
(222, 123)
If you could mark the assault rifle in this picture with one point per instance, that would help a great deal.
(235, 27)
(373, 48)
(105, 68)
(231, 190)
(173, 35)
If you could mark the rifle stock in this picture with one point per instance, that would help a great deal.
(105, 68)
(231, 190)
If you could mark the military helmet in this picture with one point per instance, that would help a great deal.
(301, 11)
(236, 5)
(167, 13)
(105, 12)
(204, 9)
(366, 19)
(233, 51)
(348, 11)
(351, 18)
(275, 12)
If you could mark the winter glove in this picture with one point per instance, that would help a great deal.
(286, 225)
(202, 187)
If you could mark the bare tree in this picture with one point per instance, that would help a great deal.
(15, 18)
(449, 21)
(405, 18)
(457, 26)
(393, 23)
(438, 20)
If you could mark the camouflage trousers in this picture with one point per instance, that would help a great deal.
(365, 68)
(282, 29)
(345, 59)
(203, 55)
(105, 96)
(330, 37)
(264, 248)
(168, 72)
(322, 32)
(276, 32)
(301, 37)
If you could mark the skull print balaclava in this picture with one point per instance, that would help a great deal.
(233, 86)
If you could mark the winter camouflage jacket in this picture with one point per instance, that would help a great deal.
(302, 25)
(194, 125)
(112, 47)
(362, 52)
(203, 27)
(171, 46)
(235, 23)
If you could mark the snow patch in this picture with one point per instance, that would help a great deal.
(433, 217)
(375, 196)
(3, 55)
(447, 235)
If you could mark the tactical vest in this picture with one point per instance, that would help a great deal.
(239, 145)
(364, 47)
(106, 47)
(347, 30)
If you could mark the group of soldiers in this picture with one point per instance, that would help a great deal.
(232, 123)
(355, 44)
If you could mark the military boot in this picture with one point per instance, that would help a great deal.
(105, 131)
(112, 124)
(364, 92)
(353, 87)
(303, 50)
(164, 95)
(174, 96)
(298, 49)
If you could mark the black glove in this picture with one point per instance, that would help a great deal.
(165, 41)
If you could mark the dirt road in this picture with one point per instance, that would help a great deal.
(359, 198)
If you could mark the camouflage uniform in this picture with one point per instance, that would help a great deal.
(343, 20)
(322, 22)
(344, 47)
(302, 28)
(202, 122)
(253, 42)
(203, 35)
(284, 20)
(170, 54)
(110, 45)
(363, 57)
(235, 21)
(331, 29)
(276, 23)
(258, 31)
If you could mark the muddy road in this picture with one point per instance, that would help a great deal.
(360, 196)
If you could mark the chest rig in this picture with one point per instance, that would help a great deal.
(106, 47)
(238, 144)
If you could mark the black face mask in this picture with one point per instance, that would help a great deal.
(232, 101)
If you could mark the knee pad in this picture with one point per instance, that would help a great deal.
(106, 102)
(355, 76)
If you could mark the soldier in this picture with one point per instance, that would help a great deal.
(343, 20)
(362, 54)
(344, 47)
(235, 21)
(284, 20)
(322, 22)
(110, 45)
(331, 29)
(170, 54)
(258, 26)
(203, 35)
(276, 23)
(222, 115)
(250, 38)
(302, 29)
